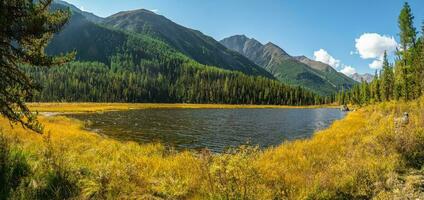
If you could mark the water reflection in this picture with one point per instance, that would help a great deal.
(215, 129)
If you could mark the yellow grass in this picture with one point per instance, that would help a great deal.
(99, 107)
(359, 157)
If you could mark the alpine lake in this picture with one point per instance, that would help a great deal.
(215, 129)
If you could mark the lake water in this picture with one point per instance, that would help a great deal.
(215, 129)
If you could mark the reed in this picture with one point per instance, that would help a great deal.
(363, 156)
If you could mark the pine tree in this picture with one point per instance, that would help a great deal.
(376, 87)
(387, 80)
(26, 28)
(408, 32)
(420, 62)
(417, 68)
(408, 40)
(365, 93)
(356, 95)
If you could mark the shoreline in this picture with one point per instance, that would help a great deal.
(51, 111)
(83, 107)
(365, 142)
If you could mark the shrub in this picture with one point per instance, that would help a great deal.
(13, 168)
(58, 181)
(59, 185)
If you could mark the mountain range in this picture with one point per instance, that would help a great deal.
(299, 70)
(97, 39)
(117, 65)
(193, 43)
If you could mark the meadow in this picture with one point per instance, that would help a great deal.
(367, 155)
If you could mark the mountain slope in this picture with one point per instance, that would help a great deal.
(95, 42)
(194, 44)
(92, 42)
(301, 71)
(332, 75)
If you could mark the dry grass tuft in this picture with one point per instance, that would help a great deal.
(363, 156)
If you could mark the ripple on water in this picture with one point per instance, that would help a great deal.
(215, 129)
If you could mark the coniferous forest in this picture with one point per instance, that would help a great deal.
(401, 80)
(161, 81)
(145, 69)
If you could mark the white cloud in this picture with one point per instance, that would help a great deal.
(373, 45)
(323, 56)
(82, 8)
(348, 70)
(155, 10)
(376, 64)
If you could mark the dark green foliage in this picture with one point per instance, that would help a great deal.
(387, 79)
(375, 87)
(408, 32)
(13, 168)
(406, 81)
(26, 28)
(168, 80)
(59, 185)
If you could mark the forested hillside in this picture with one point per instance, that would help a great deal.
(120, 66)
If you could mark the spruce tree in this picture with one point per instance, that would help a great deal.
(376, 87)
(26, 26)
(406, 25)
(365, 92)
(408, 39)
(387, 80)
(417, 65)
(420, 64)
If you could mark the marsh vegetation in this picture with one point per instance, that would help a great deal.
(363, 156)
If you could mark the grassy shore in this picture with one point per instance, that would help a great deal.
(367, 155)
(99, 107)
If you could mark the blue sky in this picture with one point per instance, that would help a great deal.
(325, 30)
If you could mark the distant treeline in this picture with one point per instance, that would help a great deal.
(168, 79)
(403, 80)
